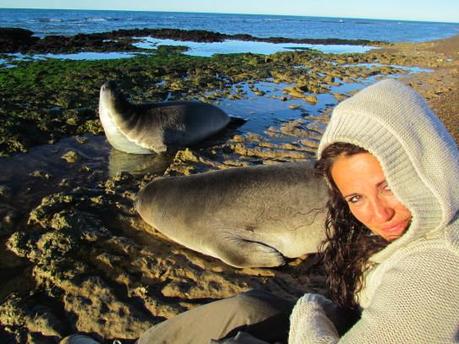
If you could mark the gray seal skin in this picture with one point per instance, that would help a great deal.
(247, 217)
(156, 127)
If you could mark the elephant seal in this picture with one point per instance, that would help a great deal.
(155, 127)
(247, 217)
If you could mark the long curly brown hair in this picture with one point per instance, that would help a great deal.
(348, 243)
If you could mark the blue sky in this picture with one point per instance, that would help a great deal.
(429, 10)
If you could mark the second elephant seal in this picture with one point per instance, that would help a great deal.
(247, 217)
(156, 127)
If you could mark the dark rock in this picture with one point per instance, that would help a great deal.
(15, 39)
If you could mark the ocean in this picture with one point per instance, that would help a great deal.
(71, 22)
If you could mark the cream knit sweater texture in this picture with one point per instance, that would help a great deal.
(411, 293)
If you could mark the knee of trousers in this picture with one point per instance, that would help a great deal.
(259, 304)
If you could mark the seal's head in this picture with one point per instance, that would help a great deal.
(111, 98)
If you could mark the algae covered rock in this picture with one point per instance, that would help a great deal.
(71, 157)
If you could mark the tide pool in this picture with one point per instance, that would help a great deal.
(235, 46)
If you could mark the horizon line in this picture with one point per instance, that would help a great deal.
(231, 13)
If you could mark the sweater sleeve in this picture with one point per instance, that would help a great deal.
(416, 302)
(309, 322)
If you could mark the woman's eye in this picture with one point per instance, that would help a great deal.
(353, 199)
(386, 188)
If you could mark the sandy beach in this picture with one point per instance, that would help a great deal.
(76, 257)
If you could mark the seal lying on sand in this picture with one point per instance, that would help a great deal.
(247, 217)
(155, 127)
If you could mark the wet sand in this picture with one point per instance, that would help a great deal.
(77, 257)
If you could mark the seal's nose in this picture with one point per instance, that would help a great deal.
(103, 88)
(108, 85)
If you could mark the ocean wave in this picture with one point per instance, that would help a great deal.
(340, 21)
(50, 20)
(96, 19)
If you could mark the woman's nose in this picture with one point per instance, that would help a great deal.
(382, 211)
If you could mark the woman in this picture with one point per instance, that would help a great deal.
(392, 246)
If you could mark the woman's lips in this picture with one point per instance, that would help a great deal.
(397, 228)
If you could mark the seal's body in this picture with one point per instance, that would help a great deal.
(156, 127)
(252, 216)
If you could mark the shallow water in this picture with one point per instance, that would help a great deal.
(10, 59)
(270, 109)
(234, 46)
(409, 69)
(87, 56)
(194, 49)
(94, 156)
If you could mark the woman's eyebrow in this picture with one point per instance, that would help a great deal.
(378, 185)
(351, 195)
(381, 183)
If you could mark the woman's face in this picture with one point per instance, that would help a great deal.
(362, 183)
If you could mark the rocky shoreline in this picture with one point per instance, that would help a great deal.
(65, 93)
(76, 256)
(17, 40)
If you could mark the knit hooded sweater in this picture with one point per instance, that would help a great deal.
(411, 293)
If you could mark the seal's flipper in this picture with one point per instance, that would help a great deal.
(243, 253)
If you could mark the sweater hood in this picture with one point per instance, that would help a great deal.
(419, 157)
